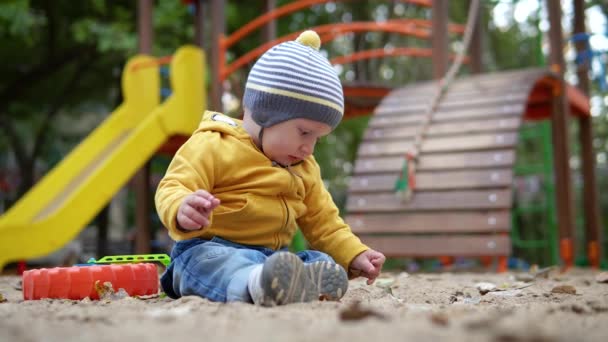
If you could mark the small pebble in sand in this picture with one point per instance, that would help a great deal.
(602, 278)
(485, 287)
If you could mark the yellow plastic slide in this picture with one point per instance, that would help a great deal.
(59, 206)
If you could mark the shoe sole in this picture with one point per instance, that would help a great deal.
(286, 279)
(329, 279)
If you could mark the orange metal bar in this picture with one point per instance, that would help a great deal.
(366, 92)
(593, 253)
(453, 28)
(446, 261)
(367, 54)
(578, 100)
(355, 111)
(485, 260)
(566, 253)
(287, 9)
(421, 24)
(158, 61)
(400, 27)
(503, 264)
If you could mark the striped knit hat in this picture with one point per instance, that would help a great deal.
(293, 80)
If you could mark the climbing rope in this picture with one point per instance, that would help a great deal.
(406, 183)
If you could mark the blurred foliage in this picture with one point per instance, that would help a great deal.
(61, 64)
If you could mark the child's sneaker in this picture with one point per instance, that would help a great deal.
(285, 279)
(330, 279)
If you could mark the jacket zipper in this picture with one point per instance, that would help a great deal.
(285, 224)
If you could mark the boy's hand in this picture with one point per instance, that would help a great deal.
(368, 264)
(194, 211)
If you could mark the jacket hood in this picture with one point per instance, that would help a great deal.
(218, 122)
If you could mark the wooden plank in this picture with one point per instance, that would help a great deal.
(436, 129)
(374, 164)
(496, 93)
(467, 160)
(401, 109)
(479, 112)
(395, 116)
(482, 101)
(469, 142)
(477, 126)
(445, 161)
(489, 93)
(439, 144)
(420, 246)
(392, 132)
(384, 148)
(431, 200)
(470, 99)
(498, 82)
(446, 180)
(407, 100)
(386, 121)
(436, 222)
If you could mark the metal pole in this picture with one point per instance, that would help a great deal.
(561, 149)
(269, 31)
(198, 23)
(477, 44)
(590, 196)
(440, 38)
(218, 24)
(142, 177)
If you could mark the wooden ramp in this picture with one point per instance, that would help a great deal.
(463, 197)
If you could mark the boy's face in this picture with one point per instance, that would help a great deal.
(293, 140)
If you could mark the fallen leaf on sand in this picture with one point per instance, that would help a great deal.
(106, 291)
(440, 318)
(355, 312)
(565, 289)
(2, 299)
(103, 289)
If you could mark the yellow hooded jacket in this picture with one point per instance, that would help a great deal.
(261, 202)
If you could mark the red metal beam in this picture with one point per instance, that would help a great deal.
(287, 9)
(362, 91)
(368, 54)
(330, 32)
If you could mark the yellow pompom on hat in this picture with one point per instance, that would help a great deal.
(294, 80)
(310, 38)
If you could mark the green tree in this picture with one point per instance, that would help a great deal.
(64, 59)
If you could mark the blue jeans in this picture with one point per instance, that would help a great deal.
(218, 269)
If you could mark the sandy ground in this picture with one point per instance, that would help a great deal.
(399, 307)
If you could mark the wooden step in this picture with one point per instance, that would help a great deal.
(432, 246)
(436, 222)
(439, 144)
(444, 161)
(453, 104)
(437, 129)
(398, 118)
(441, 180)
(499, 198)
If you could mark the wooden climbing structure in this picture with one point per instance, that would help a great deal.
(463, 197)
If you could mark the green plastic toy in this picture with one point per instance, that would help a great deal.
(129, 259)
